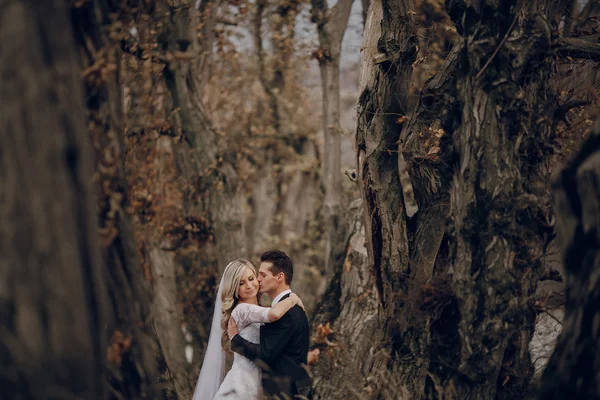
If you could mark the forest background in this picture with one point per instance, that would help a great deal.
(408, 155)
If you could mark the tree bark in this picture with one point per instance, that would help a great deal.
(345, 321)
(133, 349)
(573, 370)
(52, 294)
(456, 281)
(390, 48)
(497, 260)
(578, 48)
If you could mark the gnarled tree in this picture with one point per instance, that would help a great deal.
(456, 280)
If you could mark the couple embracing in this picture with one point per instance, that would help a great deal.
(270, 343)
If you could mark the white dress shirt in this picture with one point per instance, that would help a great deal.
(279, 296)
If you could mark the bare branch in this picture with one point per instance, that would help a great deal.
(226, 21)
(338, 19)
(578, 48)
(497, 48)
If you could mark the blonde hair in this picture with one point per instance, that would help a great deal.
(229, 293)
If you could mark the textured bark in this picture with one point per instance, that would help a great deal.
(578, 48)
(499, 206)
(384, 90)
(574, 368)
(52, 296)
(456, 280)
(350, 308)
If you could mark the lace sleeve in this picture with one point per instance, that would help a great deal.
(246, 314)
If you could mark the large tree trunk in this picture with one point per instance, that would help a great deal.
(574, 368)
(133, 350)
(455, 282)
(499, 199)
(52, 295)
(401, 341)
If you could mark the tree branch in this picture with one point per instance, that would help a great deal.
(226, 21)
(578, 48)
(338, 19)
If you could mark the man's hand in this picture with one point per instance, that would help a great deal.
(232, 329)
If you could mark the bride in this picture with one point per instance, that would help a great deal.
(237, 297)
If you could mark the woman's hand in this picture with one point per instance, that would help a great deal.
(232, 328)
(297, 301)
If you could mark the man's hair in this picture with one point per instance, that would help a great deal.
(281, 263)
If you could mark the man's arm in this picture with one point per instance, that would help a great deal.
(248, 349)
(272, 343)
(277, 336)
(240, 345)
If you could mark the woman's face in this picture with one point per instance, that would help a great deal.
(248, 288)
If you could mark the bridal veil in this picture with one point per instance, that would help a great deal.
(213, 367)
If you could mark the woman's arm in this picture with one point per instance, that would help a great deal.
(279, 310)
(245, 313)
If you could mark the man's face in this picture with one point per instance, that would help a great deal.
(268, 283)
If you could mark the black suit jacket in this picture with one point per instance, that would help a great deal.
(281, 353)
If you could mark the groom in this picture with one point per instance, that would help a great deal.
(284, 343)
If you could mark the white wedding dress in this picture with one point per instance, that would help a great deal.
(243, 381)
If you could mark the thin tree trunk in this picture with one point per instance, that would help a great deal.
(285, 196)
(331, 26)
(188, 203)
(52, 295)
(574, 368)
